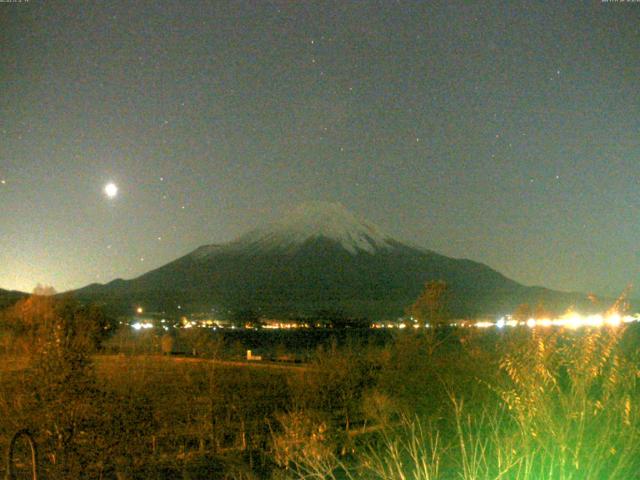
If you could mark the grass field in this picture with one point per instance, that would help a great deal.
(457, 404)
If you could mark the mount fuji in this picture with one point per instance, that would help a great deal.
(320, 258)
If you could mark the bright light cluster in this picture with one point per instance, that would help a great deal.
(283, 325)
(572, 320)
(141, 325)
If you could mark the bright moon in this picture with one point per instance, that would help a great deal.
(111, 190)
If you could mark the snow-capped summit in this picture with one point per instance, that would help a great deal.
(331, 221)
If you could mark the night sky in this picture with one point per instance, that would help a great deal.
(504, 132)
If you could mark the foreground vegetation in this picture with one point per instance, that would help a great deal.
(445, 404)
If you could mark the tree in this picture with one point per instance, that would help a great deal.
(541, 311)
(431, 305)
(31, 321)
(166, 344)
(245, 316)
(58, 396)
(200, 342)
(23, 322)
(522, 313)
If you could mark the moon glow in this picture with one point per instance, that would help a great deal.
(111, 190)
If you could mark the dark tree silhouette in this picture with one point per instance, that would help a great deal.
(431, 306)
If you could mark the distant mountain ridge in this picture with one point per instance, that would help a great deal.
(320, 258)
(9, 297)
